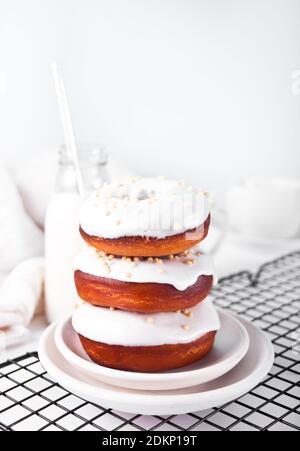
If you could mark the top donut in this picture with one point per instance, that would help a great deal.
(145, 217)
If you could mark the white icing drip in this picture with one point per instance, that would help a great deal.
(181, 273)
(117, 327)
(150, 207)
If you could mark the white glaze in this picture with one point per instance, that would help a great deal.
(181, 273)
(117, 327)
(150, 207)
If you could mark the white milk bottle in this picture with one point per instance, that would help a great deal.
(62, 238)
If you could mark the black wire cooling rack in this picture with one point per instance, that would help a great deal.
(30, 400)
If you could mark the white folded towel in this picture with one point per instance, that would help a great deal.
(19, 296)
(20, 238)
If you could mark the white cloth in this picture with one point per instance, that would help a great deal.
(20, 238)
(19, 296)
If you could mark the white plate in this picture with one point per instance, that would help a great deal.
(243, 378)
(231, 345)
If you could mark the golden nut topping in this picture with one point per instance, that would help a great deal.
(185, 327)
(187, 313)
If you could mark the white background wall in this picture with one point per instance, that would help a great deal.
(199, 89)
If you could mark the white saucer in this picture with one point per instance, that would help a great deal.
(243, 378)
(265, 242)
(232, 343)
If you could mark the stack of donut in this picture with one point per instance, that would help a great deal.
(142, 277)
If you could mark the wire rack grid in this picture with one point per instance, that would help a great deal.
(31, 400)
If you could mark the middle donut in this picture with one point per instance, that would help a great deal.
(145, 285)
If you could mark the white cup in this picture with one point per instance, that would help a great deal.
(268, 208)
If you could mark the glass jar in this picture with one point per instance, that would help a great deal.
(62, 238)
(92, 162)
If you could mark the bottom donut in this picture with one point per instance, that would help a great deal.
(148, 358)
(139, 342)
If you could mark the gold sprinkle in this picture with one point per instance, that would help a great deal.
(124, 259)
(178, 311)
(171, 257)
(161, 270)
(78, 304)
(128, 275)
(107, 213)
(128, 260)
(118, 221)
(187, 313)
(136, 259)
(133, 264)
(185, 327)
(107, 269)
(190, 262)
(150, 320)
(150, 259)
(111, 257)
(158, 261)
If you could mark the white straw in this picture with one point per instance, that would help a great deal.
(67, 123)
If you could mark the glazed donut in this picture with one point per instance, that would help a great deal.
(148, 358)
(138, 246)
(144, 285)
(137, 342)
(145, 217)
